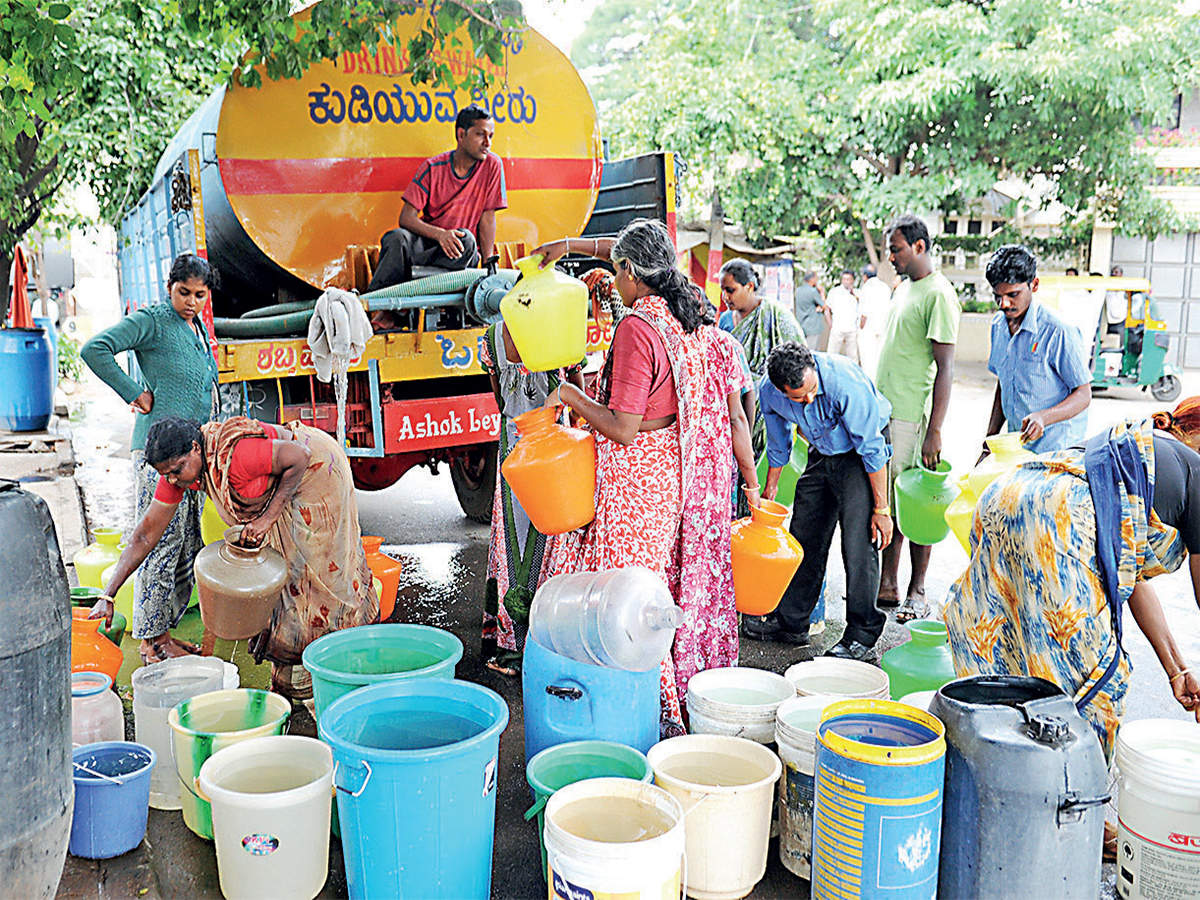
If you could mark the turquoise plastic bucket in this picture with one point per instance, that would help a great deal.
(415, 767)
(345, 660)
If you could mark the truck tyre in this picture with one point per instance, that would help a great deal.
(473, 473)
(1166, 389)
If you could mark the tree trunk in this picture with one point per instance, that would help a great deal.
(6, 260)
(877, 255)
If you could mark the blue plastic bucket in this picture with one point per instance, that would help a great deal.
(565, 700)
(345, 660)
(112, 798)
(877, 814)
(27, 399)
(415, 767)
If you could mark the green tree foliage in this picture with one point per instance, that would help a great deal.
(833, 117)
(91, 91)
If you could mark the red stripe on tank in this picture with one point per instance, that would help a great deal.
(384, 174)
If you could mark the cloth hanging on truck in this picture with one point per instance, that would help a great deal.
(337, 333)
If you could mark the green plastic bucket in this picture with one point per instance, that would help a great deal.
(206, 723)
(343, 661)
(563, 764)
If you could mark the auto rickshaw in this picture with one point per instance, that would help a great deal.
(1132, 352)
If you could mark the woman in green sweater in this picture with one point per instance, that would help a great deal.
(177, 377)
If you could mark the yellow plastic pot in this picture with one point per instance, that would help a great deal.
(546, 315)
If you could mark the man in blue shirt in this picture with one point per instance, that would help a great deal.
(1044, 385)
(844, 418)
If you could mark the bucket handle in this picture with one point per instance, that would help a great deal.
(1072, 807)
(564, 692)
(82, 768)
(196, 789)
(362, 787)
(538, 806)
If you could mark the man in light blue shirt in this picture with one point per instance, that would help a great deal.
(837, 409)
(1044, 385)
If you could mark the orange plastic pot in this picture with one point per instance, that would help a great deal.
(552, 472)
(91, 651)
(765, 557)
(387, 570)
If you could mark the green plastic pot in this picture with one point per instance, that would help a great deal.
(922, 664)
(791, 473)
(922, 496)
(87, 597)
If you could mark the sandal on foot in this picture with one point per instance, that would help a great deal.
(887, 598)
(494, 665)
(914, 607)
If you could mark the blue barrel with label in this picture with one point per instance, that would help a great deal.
(28, 396)
(877, 816)
(567, 700)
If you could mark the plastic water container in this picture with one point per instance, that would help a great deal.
(796, 738)
(416, 779)
(112, 793)
(565, 700)
(877, 810)
(270, 801)
(156, 689)
(343, 661)
(27, 401)
(839, 678)
(1158, 813)
(206, 724)
(96, 712)
(726, 786)
(614, 838)
(736, 700)
(556, 767)
(621, 618)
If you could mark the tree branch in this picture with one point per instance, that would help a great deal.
(878, 166)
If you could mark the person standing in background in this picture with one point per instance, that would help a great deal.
(810, 309)
(1044, 386)
(875, 300)
(916, 371)
(844, 315)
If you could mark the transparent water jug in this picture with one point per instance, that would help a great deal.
(619, 618)
(96, 712)
(157, 688)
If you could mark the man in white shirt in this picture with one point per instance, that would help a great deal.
(844, 316)
(875, 300)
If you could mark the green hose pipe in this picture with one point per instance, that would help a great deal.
(375, 302)
(271, 326)
(434, 284)
(279, 309)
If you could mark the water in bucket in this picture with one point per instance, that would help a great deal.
(398, 744)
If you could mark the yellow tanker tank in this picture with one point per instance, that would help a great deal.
(310, 166)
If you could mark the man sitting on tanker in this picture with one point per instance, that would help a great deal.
(449, 214)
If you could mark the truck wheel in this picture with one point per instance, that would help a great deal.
(1166, 388)
(473, 473)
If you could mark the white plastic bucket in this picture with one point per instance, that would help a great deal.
(736, 700)
(796, 735)
(1158, 811)
(919, 699)
(726, 786)
(270, 801)
(597, 847)
(839, 678)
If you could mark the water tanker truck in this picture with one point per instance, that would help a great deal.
(287, 188)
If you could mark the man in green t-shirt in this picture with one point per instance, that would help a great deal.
(916, 370)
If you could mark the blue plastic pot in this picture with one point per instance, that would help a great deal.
(112, 798)
(415, 767)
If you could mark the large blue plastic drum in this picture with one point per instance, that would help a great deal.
(27, 396)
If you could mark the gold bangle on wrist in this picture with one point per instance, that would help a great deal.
(1178, 674)
(883, 510)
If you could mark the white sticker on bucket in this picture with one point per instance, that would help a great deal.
(489, 777)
